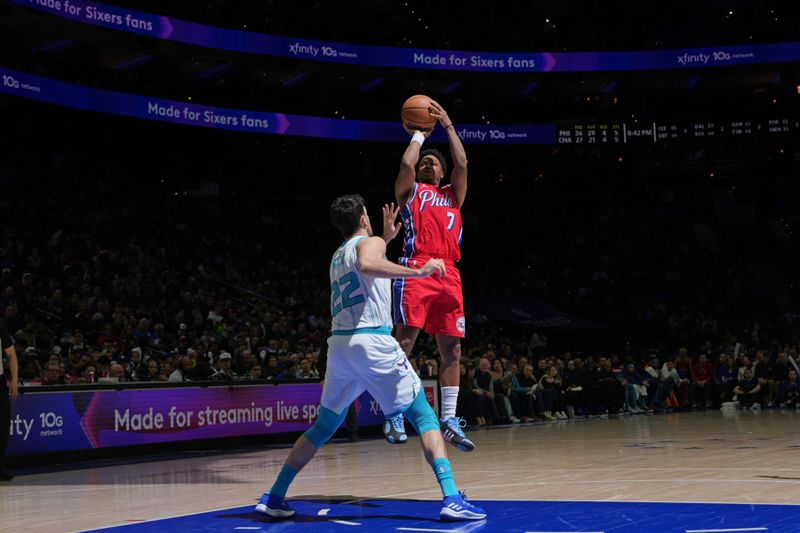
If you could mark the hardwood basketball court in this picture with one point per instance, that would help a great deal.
(743, 457)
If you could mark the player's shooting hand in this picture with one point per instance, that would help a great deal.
(390, 229)
(433, 266)
(438, 112)
(412, 131)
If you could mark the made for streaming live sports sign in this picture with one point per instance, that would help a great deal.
(51, 422)
(167, 28)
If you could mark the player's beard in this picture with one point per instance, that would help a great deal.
(427, 177)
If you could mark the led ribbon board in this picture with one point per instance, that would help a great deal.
(385, 56)
(67, 420)
(132, 105)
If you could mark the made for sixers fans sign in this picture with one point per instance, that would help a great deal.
(68, 421)
(276, 45)
(56, 92)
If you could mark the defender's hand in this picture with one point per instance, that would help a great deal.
(433, 266)
(390, 229)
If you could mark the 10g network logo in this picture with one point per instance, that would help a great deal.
(721, 56)
(10, 81)
(51, 420)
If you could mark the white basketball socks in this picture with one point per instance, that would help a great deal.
(449, 401)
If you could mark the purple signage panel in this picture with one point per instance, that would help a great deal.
(67, 421)
(282, 46)
(132, 105)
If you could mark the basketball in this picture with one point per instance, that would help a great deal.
(415, 114)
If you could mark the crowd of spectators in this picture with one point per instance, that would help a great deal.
(116, 279)
(497, 387)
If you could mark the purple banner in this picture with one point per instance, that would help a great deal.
(276, 45)
(68, 421)
(132, 105)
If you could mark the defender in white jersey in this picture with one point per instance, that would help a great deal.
(362, 354)
(360, 305)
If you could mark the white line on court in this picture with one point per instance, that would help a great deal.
(324, 512)
(563, 532)
(422, 529)
(247, 527)
(465, 528)
(726, 530)
(630, 501)
(650, 480)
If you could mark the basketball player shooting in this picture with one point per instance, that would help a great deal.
(432, 219)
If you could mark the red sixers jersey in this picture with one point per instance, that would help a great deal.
(432, 223)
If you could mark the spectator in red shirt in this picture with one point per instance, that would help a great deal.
(703, 382)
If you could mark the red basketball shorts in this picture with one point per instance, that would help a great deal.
(434, 304)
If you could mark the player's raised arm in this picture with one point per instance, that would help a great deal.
(372, 262)
(408, 165)
(458, 178)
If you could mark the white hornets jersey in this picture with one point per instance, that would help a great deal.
(357, 301)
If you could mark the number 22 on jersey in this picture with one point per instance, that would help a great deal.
(342, 293)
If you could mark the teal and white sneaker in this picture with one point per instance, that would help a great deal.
(457, 508)
(274, 506)
(452, 433)
(395, 430)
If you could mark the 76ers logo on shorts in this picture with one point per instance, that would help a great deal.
(461, 324)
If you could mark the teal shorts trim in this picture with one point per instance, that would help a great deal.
(378, 330)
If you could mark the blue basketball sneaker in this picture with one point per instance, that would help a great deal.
(273, 506)
(452, 433)
(395, 430)
(456, 508)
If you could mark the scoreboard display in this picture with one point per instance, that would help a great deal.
(641, 132)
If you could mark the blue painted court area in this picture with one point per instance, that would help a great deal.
(317, 516)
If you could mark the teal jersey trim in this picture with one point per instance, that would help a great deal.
(378, 330)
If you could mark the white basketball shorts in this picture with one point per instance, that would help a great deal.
(374, 362)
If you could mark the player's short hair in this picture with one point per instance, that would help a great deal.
(435, 153)
(346, 213)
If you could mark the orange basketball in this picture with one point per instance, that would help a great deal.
(415, 114)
